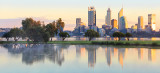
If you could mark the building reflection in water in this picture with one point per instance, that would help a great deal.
(108, 55)
(152, 55)
(140, 53)
(121, 54)
(80, 50)
(91, 57)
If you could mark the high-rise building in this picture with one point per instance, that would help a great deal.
(78, 21)
(120, 14)
(152, 21)
(114, 23)
(108, 17)
(91, 16)
(140, 23)
(123, 23)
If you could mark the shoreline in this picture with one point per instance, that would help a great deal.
(120, 43)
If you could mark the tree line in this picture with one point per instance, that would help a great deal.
(92, 34)
(37, 31)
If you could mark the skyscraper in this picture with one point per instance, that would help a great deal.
(120, 14)
(108, 17)
(152, 21)
(78, 21)
(140, 23)
(123, 23)
(114, 23)
(91, 16)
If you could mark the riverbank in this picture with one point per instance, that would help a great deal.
(128, 43)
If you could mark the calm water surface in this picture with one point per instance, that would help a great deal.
(52, 58)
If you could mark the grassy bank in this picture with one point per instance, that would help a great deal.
(128, 43)
(134, 43)
(50, 42)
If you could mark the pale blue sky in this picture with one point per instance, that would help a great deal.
(69, 10)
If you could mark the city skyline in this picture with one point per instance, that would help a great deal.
(48, 13)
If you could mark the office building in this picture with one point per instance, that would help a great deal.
(123, 23)
(120, 14)
(114, 23)
(152, 21)
(91, 16)
(78, 21)
(140, 23)
(108, 17)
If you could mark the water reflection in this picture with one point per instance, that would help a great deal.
(38, 53)
(152, 55)
(140, 53)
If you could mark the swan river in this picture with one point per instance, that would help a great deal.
(61, 58)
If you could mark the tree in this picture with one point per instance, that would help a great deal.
(38, 34)
(60, 24)
(64, 35)
(36, 31)
(91, 34)
(46, 36)
(7, 36)
(17, 33)
(119, 35)
(51, 28)
(128, 35)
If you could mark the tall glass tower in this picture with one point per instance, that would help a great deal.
(91, 16)
(123, 23)
(120, 14)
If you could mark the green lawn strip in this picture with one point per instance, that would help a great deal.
(143, 43)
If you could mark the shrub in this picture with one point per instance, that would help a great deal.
(154, 44)
(137, 43)
(119, 43)
(128, 43)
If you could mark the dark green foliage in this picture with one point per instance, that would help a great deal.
(64, 35)
(137, 43)
(17, 33)
(46, 36)
(128, 43)
(128, 35)
(7, 36)
(51, 28)
(111, 43)
(38, 34)
(154, 44)
(119, 35)
(36, 31)
(28, 23)
(91, 34)
(119, 43)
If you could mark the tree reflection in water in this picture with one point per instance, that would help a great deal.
(32, 53)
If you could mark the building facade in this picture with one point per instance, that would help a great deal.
(120, 14)
(78, 21)
(152, 21)
(114, 23)
(91, 16)
(140, 23)
(123, 23)
(108, 17)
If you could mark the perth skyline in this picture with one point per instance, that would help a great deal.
(12, 12)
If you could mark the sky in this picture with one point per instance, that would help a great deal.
(12, 12)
